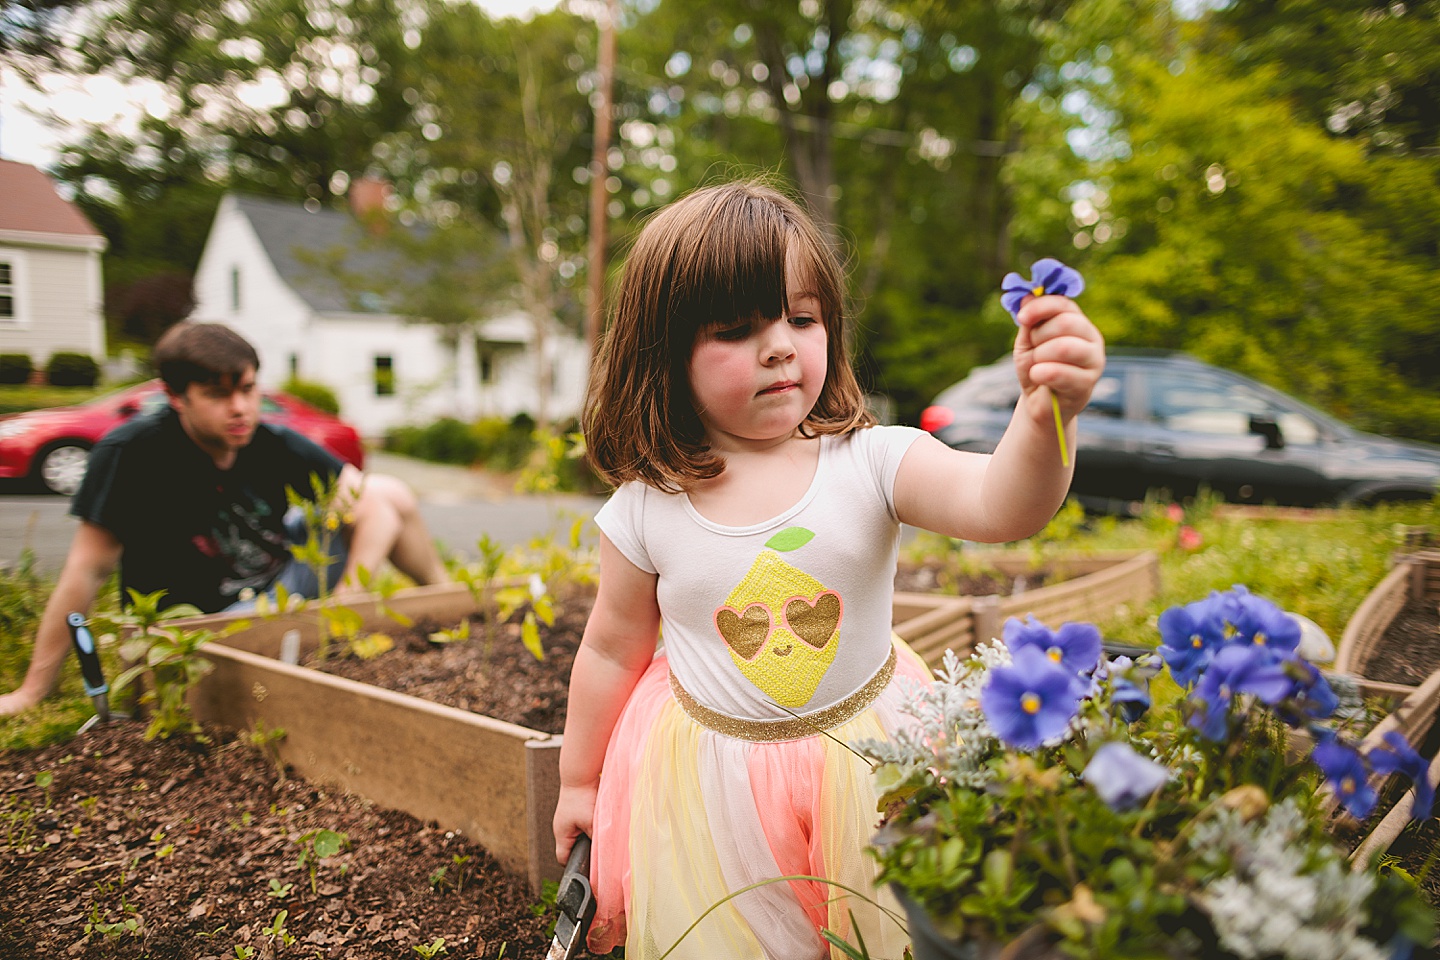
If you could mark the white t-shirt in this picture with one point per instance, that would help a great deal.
(793, 612)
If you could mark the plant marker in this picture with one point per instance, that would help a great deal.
(1047, 275)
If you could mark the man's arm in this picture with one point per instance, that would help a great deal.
(93, 555)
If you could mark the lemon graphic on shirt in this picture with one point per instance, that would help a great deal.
(780, 624)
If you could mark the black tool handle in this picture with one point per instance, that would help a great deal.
(88, 656)
(575, 899)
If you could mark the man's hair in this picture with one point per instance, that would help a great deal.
(713, 257)
(201, 353)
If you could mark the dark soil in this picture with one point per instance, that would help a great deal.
(1410, 649)
(499, 679)
(197, 846)
(939, 576)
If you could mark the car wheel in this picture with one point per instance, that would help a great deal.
(62, 467)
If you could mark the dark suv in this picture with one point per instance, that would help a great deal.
(1165, 421)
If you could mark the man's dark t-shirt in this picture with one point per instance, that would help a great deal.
(200, 533)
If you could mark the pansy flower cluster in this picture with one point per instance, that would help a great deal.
(1041, 786)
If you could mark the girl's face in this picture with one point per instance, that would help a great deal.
(758, 380)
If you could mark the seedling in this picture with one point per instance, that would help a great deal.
(441, 876)
(267, 741)
(278, 890)
(276, 930)
(436, 948)
(88, 805)
(318, 845)
(244, 953)
(45, 780)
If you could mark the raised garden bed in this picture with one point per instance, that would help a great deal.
(1400, 614)
(496, 781)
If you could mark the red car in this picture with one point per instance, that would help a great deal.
(51, 446)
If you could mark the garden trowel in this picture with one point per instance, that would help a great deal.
(95, 686)
(575, 902)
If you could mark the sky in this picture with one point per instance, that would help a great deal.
(27, 139)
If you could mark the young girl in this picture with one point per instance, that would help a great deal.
(756, 524)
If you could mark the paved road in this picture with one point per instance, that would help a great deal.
(458, 504)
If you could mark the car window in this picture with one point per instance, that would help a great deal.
(158, 400)
(269, 406)
(1298, 429)
(989, 390)
(1108, 398)
(1183, 400)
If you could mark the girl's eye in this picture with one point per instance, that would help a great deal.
(802, 321)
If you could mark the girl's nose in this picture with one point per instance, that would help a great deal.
(777, 343)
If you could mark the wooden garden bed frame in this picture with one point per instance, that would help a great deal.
(497, 782)
(1415, 576)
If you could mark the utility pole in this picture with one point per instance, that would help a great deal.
(600, 171)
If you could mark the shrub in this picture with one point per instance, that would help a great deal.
(447, 440)
(505, 444)
(72, 370)
(15, 367)
(317, 395)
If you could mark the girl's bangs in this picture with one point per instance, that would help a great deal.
(736, 269)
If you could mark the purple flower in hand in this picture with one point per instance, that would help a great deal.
(1345, 773)
(1122, 777)
(1400, 757)
(1046, 276)
(1032, 700)
(1234, 670)
(1075, 646)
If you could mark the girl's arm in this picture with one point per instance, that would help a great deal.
(1012, 493)
(618, 645)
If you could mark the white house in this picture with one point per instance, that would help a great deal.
(51, 296)
(262, 273)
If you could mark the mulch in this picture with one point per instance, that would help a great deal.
(1411, 648)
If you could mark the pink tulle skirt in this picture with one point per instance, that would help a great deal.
(687, 816)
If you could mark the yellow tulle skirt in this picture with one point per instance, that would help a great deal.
(686, 817)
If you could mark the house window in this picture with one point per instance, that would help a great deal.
(294, 366)
(7, 290)
(234, 288)
(384, 376)
(486, 357)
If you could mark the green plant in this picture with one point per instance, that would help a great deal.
(441, 876)
(15, 367)
(317, 395)
(1040, 794)
(267, 742)
(436, 948)
(45, 780)
(557, 464)
(65, 369)
(243, 952)
(316, 846)
(171, 658)
(276, 930)
(499, 601)
(278, 890)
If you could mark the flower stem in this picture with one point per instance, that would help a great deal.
(1060, 430)
(1062, 833)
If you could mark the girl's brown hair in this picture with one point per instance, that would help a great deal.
(712, 257)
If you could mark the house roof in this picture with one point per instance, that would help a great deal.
(32, 204)
(302, 243)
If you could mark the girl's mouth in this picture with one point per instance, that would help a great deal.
(781, 387)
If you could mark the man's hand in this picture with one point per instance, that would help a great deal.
(1060, 349)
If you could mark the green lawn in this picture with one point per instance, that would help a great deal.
(16, 398)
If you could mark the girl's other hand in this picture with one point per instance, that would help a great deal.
(574, 815)
(1058, 348)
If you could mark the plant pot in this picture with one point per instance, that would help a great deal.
(1414, 577)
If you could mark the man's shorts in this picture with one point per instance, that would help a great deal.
(296, 577)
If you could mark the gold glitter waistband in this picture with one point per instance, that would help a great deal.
(790, 728)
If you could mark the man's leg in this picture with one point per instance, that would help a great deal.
(388, 526)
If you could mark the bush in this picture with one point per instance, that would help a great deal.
(15, 367)
(72, 370)
(317, 395)
(447, 440)
(505, 444)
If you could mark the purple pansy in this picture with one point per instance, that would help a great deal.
(1234, 670)
(1032, 700)
(1076, 646)
(1047, 276)
(1130, 690)
(1189, 636)
(1256, 620)
(1345, 773)
(1312, 692)
(1122, 777)
(1399, 757)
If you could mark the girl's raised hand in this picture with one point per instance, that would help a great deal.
(1058, 348)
